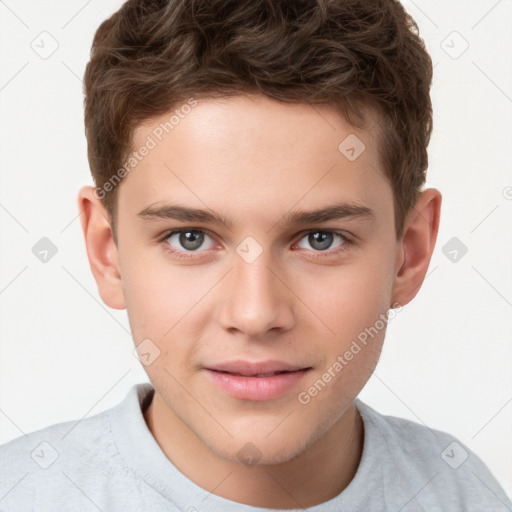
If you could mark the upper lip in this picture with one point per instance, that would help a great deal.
(248, 368)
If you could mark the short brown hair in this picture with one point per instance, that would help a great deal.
(152, 55)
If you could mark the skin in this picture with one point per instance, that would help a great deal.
(253, 161)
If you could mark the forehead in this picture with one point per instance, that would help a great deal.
(256, 154)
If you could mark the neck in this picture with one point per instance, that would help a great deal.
(316, 475)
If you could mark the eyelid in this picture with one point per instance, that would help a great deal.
(174, 231)
(184, 254)
(348, 240)
(347, 243)
(170, 232)
(347, 236)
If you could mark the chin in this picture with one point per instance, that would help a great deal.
(260, 451)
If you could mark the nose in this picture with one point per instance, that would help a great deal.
(256, 298)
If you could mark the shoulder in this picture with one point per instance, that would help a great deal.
(61, 441)
(435, 462)
(62, 460)
(54, 449)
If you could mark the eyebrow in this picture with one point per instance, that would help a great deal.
(334, 212)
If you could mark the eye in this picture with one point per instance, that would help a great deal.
(323, 240)
(187, 240)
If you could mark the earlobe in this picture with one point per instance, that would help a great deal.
(101, 249)
(414, 251)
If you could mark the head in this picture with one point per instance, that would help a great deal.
(300, 131)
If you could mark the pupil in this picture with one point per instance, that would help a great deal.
(191, 239)
(320, 240)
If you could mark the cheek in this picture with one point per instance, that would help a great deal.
(158, 294)
(347, 299)
(351, 354)
(358, 306)
(169, 307)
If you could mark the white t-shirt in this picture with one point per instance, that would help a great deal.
(110, 462)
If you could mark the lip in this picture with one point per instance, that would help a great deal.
(254, 381)
(250, 369)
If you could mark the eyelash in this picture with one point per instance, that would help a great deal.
(347, 242)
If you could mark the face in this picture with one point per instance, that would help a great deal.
(256, 310)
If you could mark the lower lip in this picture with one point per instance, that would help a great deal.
(257, 389)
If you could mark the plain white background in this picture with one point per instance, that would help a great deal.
(447, 357)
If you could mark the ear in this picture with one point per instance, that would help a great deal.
(416, 246)
(101, 249)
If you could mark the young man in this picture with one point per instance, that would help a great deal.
(259, 213)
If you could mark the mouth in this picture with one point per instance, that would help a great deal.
(256, 381)
(269, 374)
(255, 368)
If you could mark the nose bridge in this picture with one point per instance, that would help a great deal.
(255, 278)
(257, 300)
